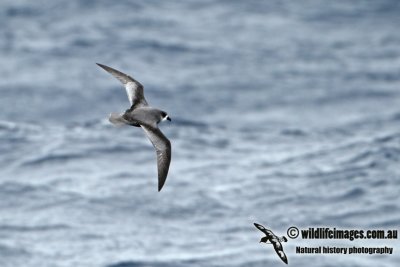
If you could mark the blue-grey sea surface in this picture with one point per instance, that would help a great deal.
(285, 113)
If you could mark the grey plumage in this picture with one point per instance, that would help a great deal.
(163, 151)
(140, 114)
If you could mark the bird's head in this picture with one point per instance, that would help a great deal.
(264, 240)
(164, 116)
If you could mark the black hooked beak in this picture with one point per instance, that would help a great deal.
(168, 118)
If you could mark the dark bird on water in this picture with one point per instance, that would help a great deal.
(274, 240)
(140, 114)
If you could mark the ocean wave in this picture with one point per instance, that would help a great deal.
(14, 188)
(190, 123)
(164, 47)
(33, 228)
(353, 96)
(375, 157)
(294, 132)
(146, 264)
(11, 251)
(47, 159)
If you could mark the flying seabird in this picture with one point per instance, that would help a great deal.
(274, 240)
(140, 114)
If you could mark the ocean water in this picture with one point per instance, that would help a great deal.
(285, 113)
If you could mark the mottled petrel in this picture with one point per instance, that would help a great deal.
(140, 114)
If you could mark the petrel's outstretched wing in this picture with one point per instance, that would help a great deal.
(263, 229)
(133, 88)
(279, 250)
(163, 150)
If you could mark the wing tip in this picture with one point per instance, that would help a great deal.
(159, 188)
(160, 185)
(161, 181)
(102, 66)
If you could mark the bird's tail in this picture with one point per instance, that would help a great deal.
(117, 119)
